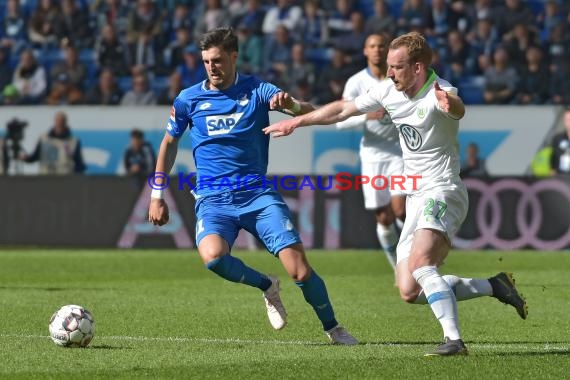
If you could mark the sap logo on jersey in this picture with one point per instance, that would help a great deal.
(222, 124)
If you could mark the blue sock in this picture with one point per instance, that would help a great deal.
(315, 293)
(234, 270)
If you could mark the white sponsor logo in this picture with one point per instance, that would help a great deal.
(222, 124)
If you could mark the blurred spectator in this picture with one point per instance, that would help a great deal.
(10, 96)
(518, 43)
(339, 20)
(560, 85)
(456, 57)
(552, 15)
(4, 157)
(167, 95)
(501, 79)
(534, 79)
(74, 25)
(481, 10)
(483, 42)
(64, 91)
(70, 69)
(144, 53)
(141, 94)
(13, 32)
(351, 43)
(299, 69)
(277, 55)
(514, 12)
(106, 92)
(5, 69)
(110, 12)
(30, 78)
(313, 30)
(43, 24)
(557, 48)
(381, 21)
(303, 91)
(174, 52)
(473, 166)
(144, 18)
(330, 83)
(253, 17)
(111, 53)
(215, 16)
(284, 12)
(560, 158)
(414, 16)
(441, 20)
(139, 157)
(250, 46)
(58, 152)
(181, 20)
(192, 70)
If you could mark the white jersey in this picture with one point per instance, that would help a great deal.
(428, 136)
(380, 138)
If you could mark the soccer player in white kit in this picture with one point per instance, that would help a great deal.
(426, 110)
(380, 152)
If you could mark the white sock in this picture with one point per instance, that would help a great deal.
(388, 238)
(440, 298)
(464, 288)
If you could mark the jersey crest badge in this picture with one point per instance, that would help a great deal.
(421, 113)
(242, 100)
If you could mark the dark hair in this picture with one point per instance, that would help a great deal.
(137, 133)
(220, 37)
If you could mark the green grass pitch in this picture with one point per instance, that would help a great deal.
(161, 315)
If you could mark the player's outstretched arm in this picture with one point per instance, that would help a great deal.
(284, 102)
(329, 114)
(158, 210)
(449, 102)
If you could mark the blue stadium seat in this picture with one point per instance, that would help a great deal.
(159, 83)
(125, 83)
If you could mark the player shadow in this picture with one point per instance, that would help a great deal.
(46, 289)
(467, 342)
(551, 352)
(107, 347)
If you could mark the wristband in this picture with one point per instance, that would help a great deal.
(157, 194)
(296, 107)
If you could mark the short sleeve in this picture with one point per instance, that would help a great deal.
(370, 101)
(267, 90)
(178, 121)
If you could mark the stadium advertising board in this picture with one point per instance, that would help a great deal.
(508, 140)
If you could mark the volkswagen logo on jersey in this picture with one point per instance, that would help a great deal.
(412, 137)
(222, 124)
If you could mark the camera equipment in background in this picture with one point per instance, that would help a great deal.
(14, 136)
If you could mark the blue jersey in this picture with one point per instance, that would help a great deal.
(229, 147)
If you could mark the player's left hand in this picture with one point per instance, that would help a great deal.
(281, 101)
(282, 128)
(442, 97)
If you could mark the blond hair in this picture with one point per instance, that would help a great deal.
(418, 48)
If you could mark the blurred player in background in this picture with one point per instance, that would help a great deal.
(380, 152)
(226, 114)
(426, 110)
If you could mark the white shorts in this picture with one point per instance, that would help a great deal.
(442, 208)
(374, 198)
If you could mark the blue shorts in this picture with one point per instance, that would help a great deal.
(262, 212)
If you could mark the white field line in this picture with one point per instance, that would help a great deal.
(489, 346)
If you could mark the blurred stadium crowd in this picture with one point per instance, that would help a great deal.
(141, 52)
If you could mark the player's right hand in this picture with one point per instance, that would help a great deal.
(158, 212)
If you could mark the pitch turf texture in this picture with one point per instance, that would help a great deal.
(160, 314)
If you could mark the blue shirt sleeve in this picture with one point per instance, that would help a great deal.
(178, 121)
(267, 90)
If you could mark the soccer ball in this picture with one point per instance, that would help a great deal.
(72, 326)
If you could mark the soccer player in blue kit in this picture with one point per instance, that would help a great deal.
(226, 115)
